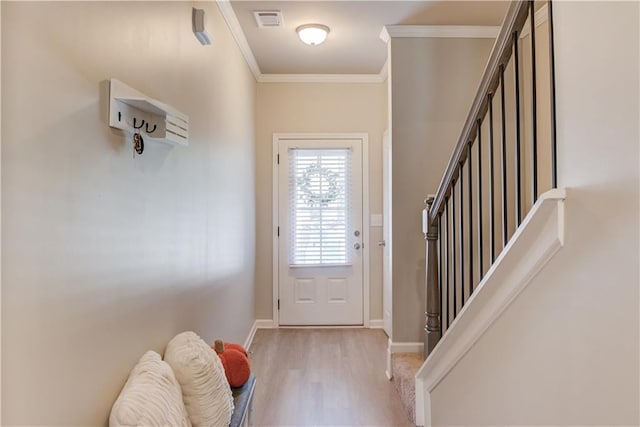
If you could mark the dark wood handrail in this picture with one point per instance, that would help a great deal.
(514, 21)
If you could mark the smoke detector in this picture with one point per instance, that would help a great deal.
(268, 18)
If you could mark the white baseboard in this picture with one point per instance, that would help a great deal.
(406, 347)
(264, 323)
(400, 347)
(252, 333)
(269, 324)
(389, 372)
(258, 324)
(376, 324)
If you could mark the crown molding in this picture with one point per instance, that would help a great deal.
(384, 71)
(236, 30)
(388, 32)
(439, 31)
(384, 35)
(321, 78)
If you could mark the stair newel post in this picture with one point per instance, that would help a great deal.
(432, 331)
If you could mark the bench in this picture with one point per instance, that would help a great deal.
(242, 401)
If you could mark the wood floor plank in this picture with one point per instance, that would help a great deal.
(323, 377)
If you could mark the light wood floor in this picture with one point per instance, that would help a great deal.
(323, 377)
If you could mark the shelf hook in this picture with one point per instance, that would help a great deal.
(134, 124)
(152, 130)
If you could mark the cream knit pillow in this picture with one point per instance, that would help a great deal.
(205, 390)
(150, 397)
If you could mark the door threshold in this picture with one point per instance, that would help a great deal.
(321, 327)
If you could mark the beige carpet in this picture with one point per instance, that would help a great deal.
(404, 367)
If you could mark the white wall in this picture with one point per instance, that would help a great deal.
(105, 255)
(433, 82)
(316, 108)
(566, 352)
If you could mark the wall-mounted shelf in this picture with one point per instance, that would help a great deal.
(162, 123)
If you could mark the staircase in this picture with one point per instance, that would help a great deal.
(497, 216)
(405, 367)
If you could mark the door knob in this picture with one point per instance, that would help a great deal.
(382, 243)
(356, 246)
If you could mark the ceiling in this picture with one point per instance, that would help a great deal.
(353, 45)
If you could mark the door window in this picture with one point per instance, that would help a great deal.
(320, 206)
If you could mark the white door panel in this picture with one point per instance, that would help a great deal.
(320, 242)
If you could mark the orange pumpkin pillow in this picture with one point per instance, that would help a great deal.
(235, 361)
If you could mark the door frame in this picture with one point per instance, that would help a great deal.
(387, 214)
(364, 137)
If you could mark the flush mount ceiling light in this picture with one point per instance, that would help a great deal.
(312, 34)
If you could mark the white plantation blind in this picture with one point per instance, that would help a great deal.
(320, 206)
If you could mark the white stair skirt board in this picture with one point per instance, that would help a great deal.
(400, 347)
(537, 240)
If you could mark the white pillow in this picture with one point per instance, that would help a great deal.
(205, 390)
(150, 397)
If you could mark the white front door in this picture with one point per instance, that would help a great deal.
(320, 232)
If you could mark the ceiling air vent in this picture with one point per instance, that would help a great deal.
(268, 18)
